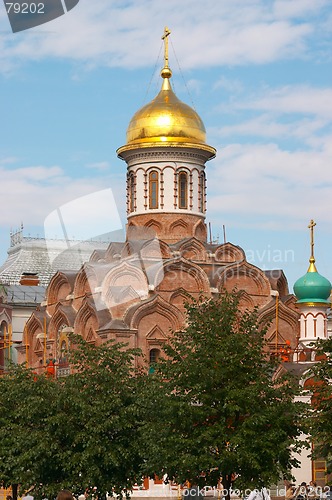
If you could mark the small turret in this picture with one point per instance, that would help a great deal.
(312, 292)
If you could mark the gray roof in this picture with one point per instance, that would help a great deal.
(24, 294)
(45, 258)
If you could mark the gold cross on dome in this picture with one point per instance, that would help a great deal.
(312, 243)
(165, 38)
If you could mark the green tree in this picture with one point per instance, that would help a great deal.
(77, 432)
(213, 407)
(26, 404)
(320, 421)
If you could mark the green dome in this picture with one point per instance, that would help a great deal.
(312, 287)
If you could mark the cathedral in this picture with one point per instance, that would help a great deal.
(135, 292)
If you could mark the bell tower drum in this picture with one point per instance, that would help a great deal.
(166, 154)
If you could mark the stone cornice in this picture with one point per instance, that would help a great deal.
(132, 157)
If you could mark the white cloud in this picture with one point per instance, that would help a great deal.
(297, 8)
(277, 183)
(293, 99)
(300, 113)
(265, 125)
(8, 161)
(110, 33)
(231, 85)
(33, 192)
(264, 180)
(101, 165)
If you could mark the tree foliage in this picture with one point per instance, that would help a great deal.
(77, 432)
(213, 407)
(321, 415)
(26, 403)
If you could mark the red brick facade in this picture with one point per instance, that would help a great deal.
(135, 292)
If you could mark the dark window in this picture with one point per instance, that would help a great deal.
(183, 190)
(153, 189)
(202, 191)
(154, 355)
(132, 192)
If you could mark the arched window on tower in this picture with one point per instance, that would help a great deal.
(183, 190)
(202, 192)
(131, 192)
(153, 189)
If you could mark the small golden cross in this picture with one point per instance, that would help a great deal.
(311, 227)
(165, 38)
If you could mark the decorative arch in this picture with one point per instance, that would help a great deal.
(193, 249)
(178, 225)
(86, 322)
(150, 311)
(59, 288)
(154, 321)
(34, 325)
(286, 314)
(131, 229)
(58, 320)
(155, 249)
(282, 285)
(5, 317)
(200, 231)
(114, 250)
(278, 281)
(290, 302)
(97, 256)
(124, 282)
(128, 249)
(153, 223)
(286, 329)
(182, 273)
(179, 298)
(229, 253)
(32, 348)
(85, 283)
(245, 276)
(246, 302)
(154, 226)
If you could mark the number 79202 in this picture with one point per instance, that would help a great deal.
(25, 8)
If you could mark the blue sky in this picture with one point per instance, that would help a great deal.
(257, 71)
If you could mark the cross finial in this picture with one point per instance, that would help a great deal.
(312, 267)
(165, 38)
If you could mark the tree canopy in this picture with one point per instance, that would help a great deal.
(76, 432)
(215, 408)
(321, 415)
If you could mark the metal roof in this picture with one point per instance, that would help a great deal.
(24, 294)
(45, 258)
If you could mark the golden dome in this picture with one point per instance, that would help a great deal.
(166, 119)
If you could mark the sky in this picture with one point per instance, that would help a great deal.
(258, 72)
